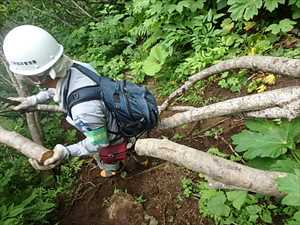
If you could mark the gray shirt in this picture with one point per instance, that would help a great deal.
(88, 117)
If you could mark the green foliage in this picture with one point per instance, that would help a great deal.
(140, 199)
(273, 147)
(295, 220)
(267, 139)
(270, 5)
(216, 205)
(155, 60)
(29, 197)
(290, 185)
(233, 207)
(237, 198)
(187, 185)
(166, 41)
(30, 210)
(247, 10)
(233, 82)
(244, 10)
(283, 26)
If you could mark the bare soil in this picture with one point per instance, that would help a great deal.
(151, 195)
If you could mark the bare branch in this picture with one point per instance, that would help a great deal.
(276, 65)
(276, 98)
(82, 10)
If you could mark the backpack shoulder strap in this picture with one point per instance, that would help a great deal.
(88, 72)
(83, 94)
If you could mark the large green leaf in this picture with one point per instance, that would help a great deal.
(284, 26)
(151, 67)
(267, 139)
(295, 3)
(283, 164)
(155, 60)
(295, 220)
(237, 198)
(273, 4)
(216, 205)
(290, 185)
(241, 9)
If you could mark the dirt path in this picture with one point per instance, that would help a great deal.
(148, 197)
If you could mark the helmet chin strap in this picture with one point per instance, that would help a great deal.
(60, 68)
(37, 79)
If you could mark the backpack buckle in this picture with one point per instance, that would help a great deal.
(116, 97)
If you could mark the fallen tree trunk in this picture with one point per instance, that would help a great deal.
(223, 172)
(24, 145)
(283, 100)
(276, 65)
(229, 173)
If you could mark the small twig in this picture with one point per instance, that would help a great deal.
(96, 190)
(164, 213)
(192, 129)
(231, 148)
(212, 126)
(148, 170)
(253, 75)
(83, 10)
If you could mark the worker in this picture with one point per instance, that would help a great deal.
(35, 55)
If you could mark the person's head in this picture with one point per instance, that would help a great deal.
(35, 54)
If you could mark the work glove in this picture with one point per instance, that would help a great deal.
(60, 153)
(25, 102)
(131, 142)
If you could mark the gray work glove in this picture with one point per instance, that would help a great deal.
(25, 102)
(60, 153)
(131, 142)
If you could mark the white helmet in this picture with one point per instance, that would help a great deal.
(30, 50)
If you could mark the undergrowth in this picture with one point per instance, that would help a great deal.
(268, 145)
(163, 42)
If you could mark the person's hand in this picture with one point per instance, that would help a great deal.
(60, 153)
(25, 102)
(131, 142)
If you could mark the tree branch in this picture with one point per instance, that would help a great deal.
(256, 102)
(277, 65)
(24, 145)
(220, 170)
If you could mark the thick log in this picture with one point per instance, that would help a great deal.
(280, 98)
(220, 170)
(24, 145)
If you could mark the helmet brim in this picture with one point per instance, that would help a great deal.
(41, 69)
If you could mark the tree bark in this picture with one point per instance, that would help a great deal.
(284, 100)
(222, 172)
(276, 65)
(229, 173)
(31, 117)
(24, 145)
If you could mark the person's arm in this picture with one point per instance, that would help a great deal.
(41, 97)
(89, 118)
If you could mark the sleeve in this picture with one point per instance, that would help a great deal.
(90, 119)
(44, 96)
